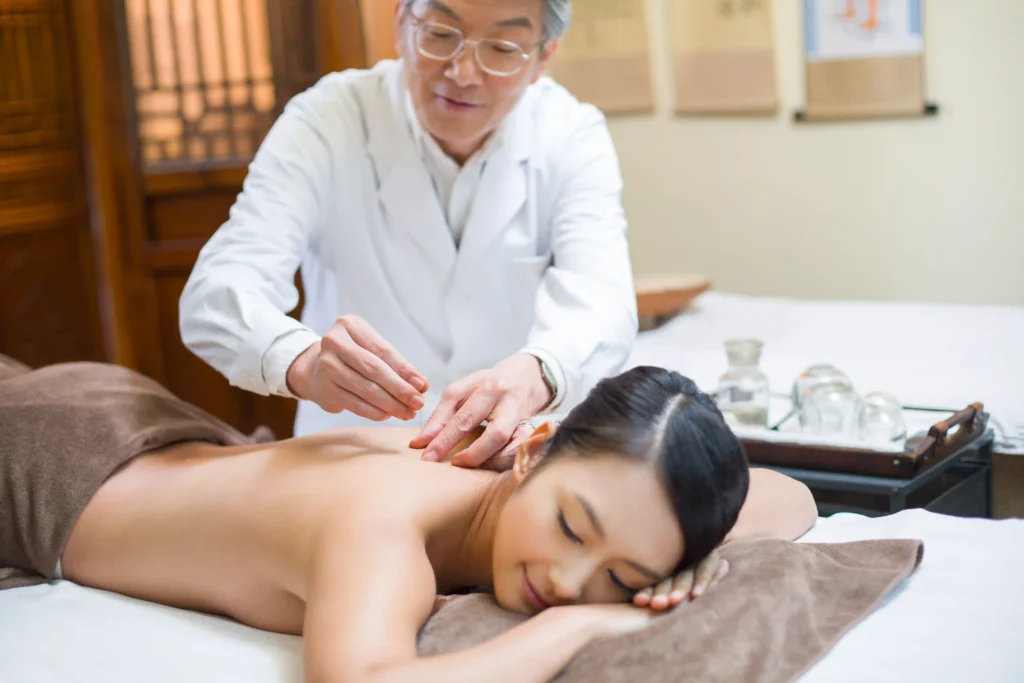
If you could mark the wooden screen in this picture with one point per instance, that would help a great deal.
(210, 76)
(170, 99)
(48, 295)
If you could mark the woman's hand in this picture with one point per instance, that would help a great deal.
(608, 620)
(685, 586)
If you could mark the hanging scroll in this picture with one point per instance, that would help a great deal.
(724, 56)
(603, 59)
(864, 58)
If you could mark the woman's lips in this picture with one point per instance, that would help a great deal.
(532, 596)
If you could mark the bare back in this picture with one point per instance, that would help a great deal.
(234, 531)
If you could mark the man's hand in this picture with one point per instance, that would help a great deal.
(353, 368)
(504, 396)
(685, 586)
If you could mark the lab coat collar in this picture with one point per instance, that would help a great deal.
(407, 190)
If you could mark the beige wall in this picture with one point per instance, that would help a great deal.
(924, 209)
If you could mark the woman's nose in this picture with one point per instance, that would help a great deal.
(568, 582)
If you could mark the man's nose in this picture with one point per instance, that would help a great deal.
(463, 68)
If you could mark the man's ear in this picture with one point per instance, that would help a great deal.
(550, 48)
(531, 451)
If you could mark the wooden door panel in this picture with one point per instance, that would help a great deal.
(49, 309)
(189, 215)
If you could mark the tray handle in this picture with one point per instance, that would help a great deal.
(959, 428)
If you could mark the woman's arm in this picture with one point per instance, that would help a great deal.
(777, 506)
(370, 593)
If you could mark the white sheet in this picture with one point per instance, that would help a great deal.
(959, 618)
(944, 356)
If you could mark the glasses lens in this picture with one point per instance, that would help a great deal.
(500, 56)
(438, 41)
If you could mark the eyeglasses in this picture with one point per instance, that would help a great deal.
(445, 43)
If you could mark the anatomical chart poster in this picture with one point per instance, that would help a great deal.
(864, 58)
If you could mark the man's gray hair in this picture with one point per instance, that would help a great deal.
(556, 18)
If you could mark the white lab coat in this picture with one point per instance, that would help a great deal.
(340, 188)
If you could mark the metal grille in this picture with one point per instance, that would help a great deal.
(35, 110)
(204, 78)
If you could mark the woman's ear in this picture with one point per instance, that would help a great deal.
(531, 451)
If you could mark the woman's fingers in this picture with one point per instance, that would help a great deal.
(643, 598)
(706, 571)
(660, 600)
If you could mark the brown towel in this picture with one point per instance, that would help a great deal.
(10, 367)
(780, 609)
(64, 429)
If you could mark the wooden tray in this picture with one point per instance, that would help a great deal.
(942, 440)
(660, 297)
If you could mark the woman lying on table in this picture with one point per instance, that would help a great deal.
(346, 537)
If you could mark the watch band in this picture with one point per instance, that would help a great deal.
(549, 381)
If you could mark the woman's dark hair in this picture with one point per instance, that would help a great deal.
(654, 415)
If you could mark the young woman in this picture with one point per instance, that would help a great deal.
(346, 537)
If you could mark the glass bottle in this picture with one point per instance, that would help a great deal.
(743, 389)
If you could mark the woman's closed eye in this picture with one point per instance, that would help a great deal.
(569, 533)
(630, 592)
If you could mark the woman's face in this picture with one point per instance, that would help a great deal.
(593, 530)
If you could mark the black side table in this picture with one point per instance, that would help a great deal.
(960, 485)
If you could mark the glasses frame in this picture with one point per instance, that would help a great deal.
(464, 43)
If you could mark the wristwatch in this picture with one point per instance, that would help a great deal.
(550, 382)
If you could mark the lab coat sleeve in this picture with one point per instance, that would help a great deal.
(586, 317)
(233, 310)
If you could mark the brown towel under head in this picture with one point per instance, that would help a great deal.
(780, 609)
(64, 429)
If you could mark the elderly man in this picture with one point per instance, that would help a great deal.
(458, 223)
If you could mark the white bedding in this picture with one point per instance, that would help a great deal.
(960, 617)
(943, 356)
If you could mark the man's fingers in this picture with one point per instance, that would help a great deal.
(506, 458)
(501, 426)
(343, 377)
(341, 399)
(475, 409)
(367, 337)
(451, 400)
(360, 347)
